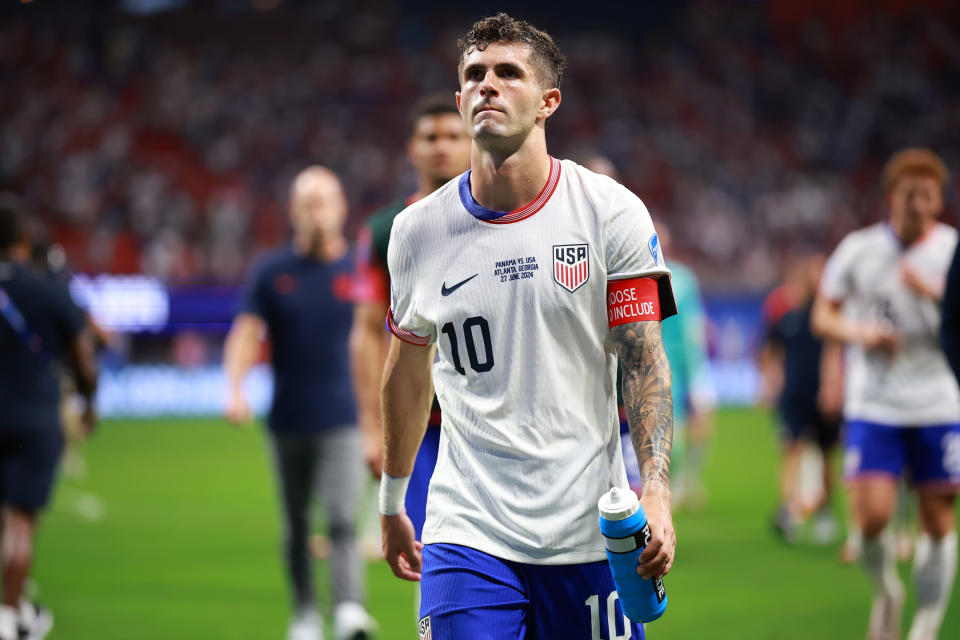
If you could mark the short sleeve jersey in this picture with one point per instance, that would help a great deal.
(913, 386)
(306, 305)
(29, 388)
(517, 304)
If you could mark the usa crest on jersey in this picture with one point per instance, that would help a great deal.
(571, 265)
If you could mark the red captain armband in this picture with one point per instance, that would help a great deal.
(632, 300)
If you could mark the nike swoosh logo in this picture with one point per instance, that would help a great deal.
(444, 291)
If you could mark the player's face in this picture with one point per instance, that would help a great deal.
(915, 202)
(439, 147)
(319, 209)
(500, 95)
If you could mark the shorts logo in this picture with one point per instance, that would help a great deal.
(571, 266)
(852, 459)
(951, 453)
(424, 628)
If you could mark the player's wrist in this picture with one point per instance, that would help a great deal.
(656, 490)
(393, 493)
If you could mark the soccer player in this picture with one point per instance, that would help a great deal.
(531, 276)
(439, 150)
(950, 327)
(808, 407)
(300, 296)
(41, 329)
(902, 405)
(685, 342)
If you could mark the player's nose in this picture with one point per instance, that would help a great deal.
(488, 87)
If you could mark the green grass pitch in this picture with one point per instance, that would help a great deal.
(173, 533)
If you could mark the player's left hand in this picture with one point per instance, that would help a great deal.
(657, 559)
(88, 420)
(916, 283)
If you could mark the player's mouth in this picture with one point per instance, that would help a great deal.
(485, 107)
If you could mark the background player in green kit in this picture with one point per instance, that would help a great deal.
(685, 342)
(439, 150)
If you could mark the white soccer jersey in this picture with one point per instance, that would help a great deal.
(526, 368)
(914, 386)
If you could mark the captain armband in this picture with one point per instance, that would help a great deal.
(632, 300)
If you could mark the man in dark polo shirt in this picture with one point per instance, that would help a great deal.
(807, 373)
(300, 297)
(40, 331)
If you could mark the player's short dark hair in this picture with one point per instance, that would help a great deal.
(546, 55)
(12, 228)
(914, 162)
(434, 104)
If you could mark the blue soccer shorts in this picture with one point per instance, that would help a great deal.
(471, 594)
(929, 454)
(416, 500)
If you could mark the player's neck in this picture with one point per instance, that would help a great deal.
(506, 183)
(925, 231)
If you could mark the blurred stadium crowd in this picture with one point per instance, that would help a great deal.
(165, 144)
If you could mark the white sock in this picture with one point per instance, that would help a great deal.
(855, 539)
(880, 561)
(8, 621)
(934, 569)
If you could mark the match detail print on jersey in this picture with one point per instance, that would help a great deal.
(632, 300)
(571, 265)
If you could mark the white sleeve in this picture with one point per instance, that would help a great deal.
(836, 284)
(631, 244)
(632, 248)
(404, 319)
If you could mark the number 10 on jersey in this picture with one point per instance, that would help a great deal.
(472, 326)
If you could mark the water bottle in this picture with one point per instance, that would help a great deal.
(623, 524)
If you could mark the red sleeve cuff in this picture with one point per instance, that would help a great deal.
(406, 336)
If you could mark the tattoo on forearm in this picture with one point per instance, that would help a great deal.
(647, 397)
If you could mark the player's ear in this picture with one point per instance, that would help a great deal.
(458, 103)
(551, 100)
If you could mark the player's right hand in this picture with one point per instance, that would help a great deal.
(400, 546)
(238, 410)
(373, 454)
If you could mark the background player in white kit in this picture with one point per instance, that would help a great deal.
(902, 406)
(509, 270)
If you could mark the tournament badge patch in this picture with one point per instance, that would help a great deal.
(424, 627)
(654, 244)
(571, 266)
